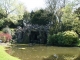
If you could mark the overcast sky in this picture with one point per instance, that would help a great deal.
(33, 4)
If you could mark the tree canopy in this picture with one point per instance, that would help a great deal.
(10, 11)
(40, 17)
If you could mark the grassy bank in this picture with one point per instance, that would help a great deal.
(6, 56)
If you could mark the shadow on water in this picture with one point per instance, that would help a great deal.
(40, 52)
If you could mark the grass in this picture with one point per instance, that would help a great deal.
(6, 56)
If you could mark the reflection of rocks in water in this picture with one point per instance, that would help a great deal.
(63, 57)
(55, 57)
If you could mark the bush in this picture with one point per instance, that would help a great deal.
(67, 38)
(5, 37)
(6, 30)
(52, 39)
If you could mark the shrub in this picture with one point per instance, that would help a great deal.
(7, 30)
(52, 39)
(67, 38)
(5, 37)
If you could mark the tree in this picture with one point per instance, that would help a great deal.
(70, 20)
(67, 18)
(9, 6)
(26, 16)
(77, 22)
(2, 16)
(54, 6)
(13, 11)
(77, 11)
(2, 12)
(40, 17)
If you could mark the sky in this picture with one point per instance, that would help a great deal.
(33, 4)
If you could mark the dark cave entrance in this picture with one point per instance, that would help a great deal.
(33, 38)
(38, 37)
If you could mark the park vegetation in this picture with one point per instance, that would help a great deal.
(62, 15)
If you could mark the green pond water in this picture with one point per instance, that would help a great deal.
(39, 52)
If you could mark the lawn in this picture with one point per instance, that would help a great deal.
(6, 56)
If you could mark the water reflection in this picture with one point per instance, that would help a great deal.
(25, 52)
(63, 57)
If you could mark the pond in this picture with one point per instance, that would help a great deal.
(39, 52)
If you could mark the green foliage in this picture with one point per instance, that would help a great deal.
(40, 17)
(77, 11)
(2, 16)
(52, 40)
(67, 38)
(6, 30)
(2, 13)
(26, 16)
(1, 22)
(55, 28)
(10, 12)
(69, 18)
(76, 26)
